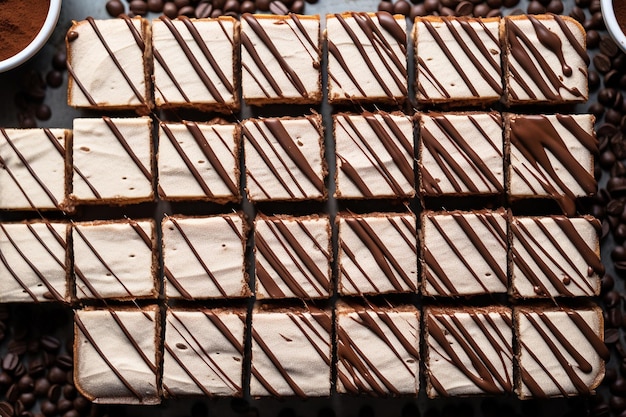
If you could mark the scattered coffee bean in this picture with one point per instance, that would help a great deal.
(155, 6)
(593, 39)
(48, 408)
(602, 63)
(114, 8)
(278, 7)
(464, 8)
(42, 386)
(6, 409)
(204, 9)
(10, 362)
(535, 7)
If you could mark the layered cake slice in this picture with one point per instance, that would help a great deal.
(281, 59)
(461, 154)
(457, 60)
(199, 161)
(375, 155)
(377, 350)
(284, 158)
(367, 57)
(33, 169)
(469, 351)
(116, 355)
(195, 63)
(203, 352)
(203, 257)
(111, 161)
(560, 351)
(377, 253)
(551, 156)
(464, 253)
(291, 352)
(115, 259)
(555, 256)
(119, 48)
(545, 60)
(34, 262)
(292, 256)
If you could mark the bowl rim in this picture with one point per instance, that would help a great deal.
(38, 42)
(612, 25)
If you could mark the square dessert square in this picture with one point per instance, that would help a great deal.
(194, 63)
(552, 157)
(469, 351)
(377, 253)
(545, 60)
(291, 352)
(367, 57)
(378, 350)
(33, 262)
(203, 257)
(555, 256)
(281, 59)
(375, 155)
(112, 161)
(199, 161)
(119, 48)
(284, 158)
(461, 154)
(561, 351)
(115, 259)
(203, 352)
(464, 253)
(457, 60)
(33, 169)
(292, 256)
(116, 355)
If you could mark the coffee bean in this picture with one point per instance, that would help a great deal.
(607, 159)
(54, 78)
(6, 409)
(262, 5)
(607, 283)
(155, 6)
(43, 112)
(71, 413)
(188, 11)
(535, 7)
(596, 109)
(54, 393)
(555, 6)
(464, 8)
(385, 6)
(494, 13)
(170, 10)
(417, 10)
(28, 399)
(446, 11)
(114, 8)
(64, 406)
(402, 7)
(602, 63)
(81, 403)
(617, 404)
(10, 361)
(26, 383)
(577, 14)
(48, 408)
(593, 39)
(278, 8)
(481, 10)
(182, 3)
(216, 13)
(594, 6)
(613, 116)
(56, 375)
(448, 3)
(42, 385)
(248, 6)
(431, 5)
(13, 393)
(607, 96)
(608, 46)
(510, 3)
(139, 7)
(494, 4)
(65, 362)
(618, 253)
(203, 10)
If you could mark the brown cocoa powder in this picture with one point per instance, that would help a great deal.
(619, 7)
(20, 21)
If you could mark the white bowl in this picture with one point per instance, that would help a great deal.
(608, 14)
(40, 40)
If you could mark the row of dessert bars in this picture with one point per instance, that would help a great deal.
(195, 63)
(536, 352)
(110, 160)
(458, 253)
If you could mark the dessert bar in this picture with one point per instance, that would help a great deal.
(199, 161)
(203, 257)
(292, 256)
(367, 57)
(457, 60)
(115, 259)
(375, 155)
(195, 63)
(377, 253)
(119, 48)
(281, 59)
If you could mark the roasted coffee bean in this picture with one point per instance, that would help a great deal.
(204, 10)
(10, 362)
(43, 112)
(593, 39)
(65, 362)
(602, 63)
(54, 393)
(71, 413)
(577, 14)
(402, 7)
(481, 10)
(596, 109)
(48, 408)
(216, 13)
(535, 7)
(114, 8)
(26, 383)
(494, 4)
(618, 386)
(612, 78)
(446, 11)
(59, 61)
(188, 11)
(385, 6)
(510, 3)
(13, 393)
(608, 46)
(64, 405)
(69, 391)
(170, 10)
(139, 7)
(431, 5)
(608, 283)
(607, 159)
(42, 386)
(448, 3)
(615, 317)
(54, 78)
(248, 6)
(464, 8)
(606, 96)
(6, 409)
(262, 5)
(278, 8)
(81, 404)
(594, 80)
(494, 13)
(618, 253)
(182, 3)
(617, 404)
(28, 399)
(594, 6)
(613, 116)
(555, 6)
(417, 10)
(155, 6)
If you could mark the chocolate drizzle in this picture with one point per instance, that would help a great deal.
(538, 141)
(530, 61)
(457, 336)
(299, 266)
(382, 38)
(391, 270)
(472, 48)
(388, 153)
(467, 172)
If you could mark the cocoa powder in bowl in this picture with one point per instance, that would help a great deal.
(619, 8)
(20, 22)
